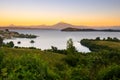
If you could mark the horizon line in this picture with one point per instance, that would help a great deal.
(13, 25)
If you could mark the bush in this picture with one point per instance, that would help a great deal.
(1, 41)
(110, 73)
(73, 59)
(26, 67)
(98, 38)
(16, 47)
(80, 73)
(32, 48)
(9, 44)
(32, 41)
(54, 49)
(19, 42)
(1, 57)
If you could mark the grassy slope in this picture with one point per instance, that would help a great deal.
(113, 45)
(86, 63)
(50, 58)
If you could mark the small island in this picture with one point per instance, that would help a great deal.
(6, 34)
(68, 29)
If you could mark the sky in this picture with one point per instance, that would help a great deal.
(49, 12)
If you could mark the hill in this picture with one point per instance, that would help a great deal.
(61, 25)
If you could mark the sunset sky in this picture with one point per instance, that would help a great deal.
(49, 12)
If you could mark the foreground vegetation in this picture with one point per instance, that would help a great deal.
(33, 64)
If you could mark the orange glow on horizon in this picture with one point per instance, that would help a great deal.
(29, 19)
(49, 12)
(28, 22)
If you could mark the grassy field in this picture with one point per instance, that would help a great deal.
(110, 44)
(28, 64)
(49, 57)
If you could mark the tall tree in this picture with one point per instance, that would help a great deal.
(70, 47)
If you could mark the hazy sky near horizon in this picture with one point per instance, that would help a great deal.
(77, 12)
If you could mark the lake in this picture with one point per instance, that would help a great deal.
(48, 38)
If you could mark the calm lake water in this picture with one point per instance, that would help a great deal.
(48, 38)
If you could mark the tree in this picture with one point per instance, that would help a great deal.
(111, 72)
(104, 39)
(32, 41)
(19, 42)
(11, 44)
(116, 39)
(54, 49)
(109, 39)
(70, 47)
(1, 41)
(97, 38)
(7, 30)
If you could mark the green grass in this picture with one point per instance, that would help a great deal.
(110, 44)
(48, 57)
(28, 64)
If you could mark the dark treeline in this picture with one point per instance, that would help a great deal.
(26, 36)
(104, 39)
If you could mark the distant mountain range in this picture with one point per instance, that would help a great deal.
(59, 26)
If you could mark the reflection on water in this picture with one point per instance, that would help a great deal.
(48, 38)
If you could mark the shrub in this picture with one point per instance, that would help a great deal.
(26, 67)
(16, 47)
(72, 59)
(1, 57)
(79, 73)
(54, 49)
(19, 42)
(110, 73)
(32, 48)
(32, 41)
(9, 44)
(1, 41)
(98, 38)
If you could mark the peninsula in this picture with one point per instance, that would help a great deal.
(6, 34)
